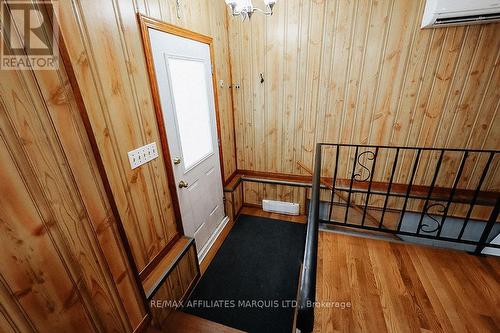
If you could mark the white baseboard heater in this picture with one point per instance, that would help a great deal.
(281, 207)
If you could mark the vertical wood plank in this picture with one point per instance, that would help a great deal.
(362, 72)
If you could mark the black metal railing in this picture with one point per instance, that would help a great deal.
(430, 187)
(431, 193)
(307, 288)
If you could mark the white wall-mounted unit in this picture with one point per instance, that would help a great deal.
(441, 13)
(281, 207)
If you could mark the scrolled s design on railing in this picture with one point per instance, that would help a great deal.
(425, 227)
(357, 176)
(433, 196)
(413, 167)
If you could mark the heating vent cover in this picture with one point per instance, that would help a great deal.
(281, 207)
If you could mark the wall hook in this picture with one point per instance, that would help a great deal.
(178, 7)
(261, 78)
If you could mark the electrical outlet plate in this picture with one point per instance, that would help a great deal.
(141, 155)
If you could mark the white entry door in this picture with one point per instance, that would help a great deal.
(184, 76)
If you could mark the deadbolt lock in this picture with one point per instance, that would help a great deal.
(177, 160)
(183, 184)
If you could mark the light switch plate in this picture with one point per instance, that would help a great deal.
(141, 155)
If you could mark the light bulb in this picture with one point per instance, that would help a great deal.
(270, 4)
(232, 4)
(247, 5)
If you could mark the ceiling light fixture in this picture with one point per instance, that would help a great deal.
(245, 8)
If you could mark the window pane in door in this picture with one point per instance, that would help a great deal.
(192, 108)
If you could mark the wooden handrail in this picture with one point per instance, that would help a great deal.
(372, 220)
(487, 198)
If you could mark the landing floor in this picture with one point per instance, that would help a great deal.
(384, 286)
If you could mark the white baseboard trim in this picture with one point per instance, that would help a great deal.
(203, 252)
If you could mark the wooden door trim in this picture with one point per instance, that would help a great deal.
(232, 103)
(146, 23)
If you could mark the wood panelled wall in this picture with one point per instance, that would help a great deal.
(63, 266)
(105, 47)
(176, 288)
(344, 71)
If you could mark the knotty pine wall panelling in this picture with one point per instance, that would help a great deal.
(106, 52)
(64, 267)
(177, 286)
(363, 72)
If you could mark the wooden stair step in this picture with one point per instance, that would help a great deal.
(180, 322)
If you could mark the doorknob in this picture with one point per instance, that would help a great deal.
(183, 184)
(177, 160)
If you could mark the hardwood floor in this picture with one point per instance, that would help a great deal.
(393, 287)
(180, 322)
(257, 211)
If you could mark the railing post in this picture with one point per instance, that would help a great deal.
(307, 292)
(334, 181)
(487, 229)
(476, 194)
